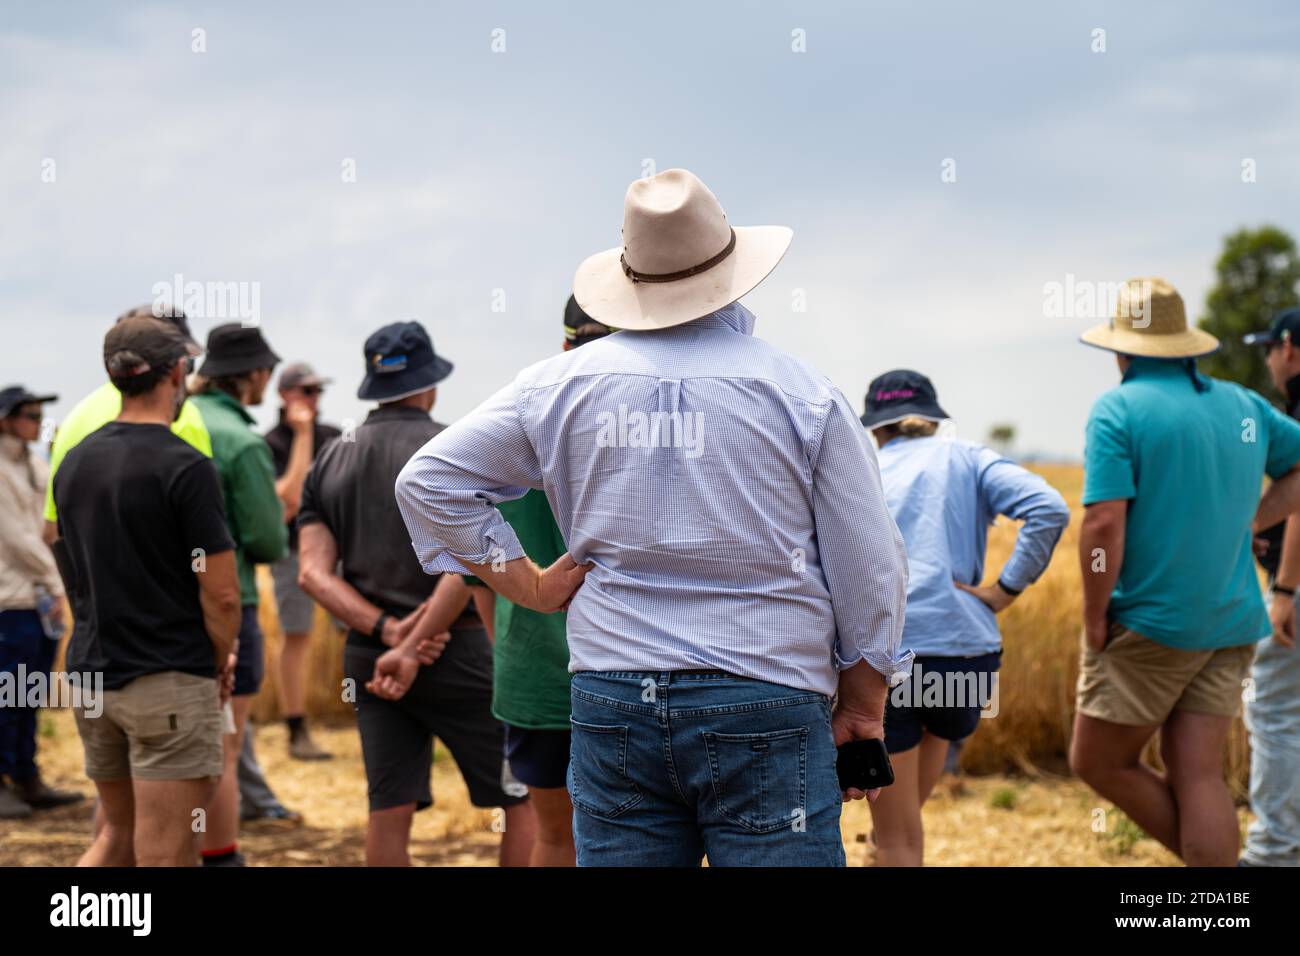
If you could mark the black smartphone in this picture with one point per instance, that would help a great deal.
(864, 765)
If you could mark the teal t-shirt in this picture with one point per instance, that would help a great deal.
(530, 673)
(1192, 464)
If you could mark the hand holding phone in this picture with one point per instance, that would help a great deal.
(863, 765)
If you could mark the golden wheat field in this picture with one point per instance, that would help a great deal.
(1015, 804)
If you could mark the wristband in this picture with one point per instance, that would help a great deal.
(1279, 589)
(1010, 591)
(377, 632)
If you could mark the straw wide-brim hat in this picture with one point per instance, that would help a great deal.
(1150, 320)
(680, 258)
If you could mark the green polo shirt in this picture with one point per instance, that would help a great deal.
(98, 409)
(1191, 465)
(253, 509)
(530, 669)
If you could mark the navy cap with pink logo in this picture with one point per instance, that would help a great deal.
(901, 394)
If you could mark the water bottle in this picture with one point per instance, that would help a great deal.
(50, 611)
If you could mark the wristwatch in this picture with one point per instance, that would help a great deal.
(377, 632)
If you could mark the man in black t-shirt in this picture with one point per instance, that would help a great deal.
(155, 597)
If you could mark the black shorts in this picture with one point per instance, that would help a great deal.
(250, 662)
(918, 705)
(451, 699)
(538, 758)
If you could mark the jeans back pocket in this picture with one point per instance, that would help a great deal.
(598, 780)
(760, 780)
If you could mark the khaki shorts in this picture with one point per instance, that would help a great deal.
(1137, 681)
(163, 726)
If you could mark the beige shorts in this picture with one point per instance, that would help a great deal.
(163, 726)
(1140, 682)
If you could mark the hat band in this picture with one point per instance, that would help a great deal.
(682, 274)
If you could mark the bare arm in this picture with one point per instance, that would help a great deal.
(1282, 606)
(486, 605)
(440, 611)
(1280, 500)
(219, 598)
(318, 556)
(288, 487)
(522, 582)
(1101, 555)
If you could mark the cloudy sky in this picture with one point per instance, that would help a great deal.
(492, 144)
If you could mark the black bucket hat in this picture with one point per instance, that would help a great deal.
(901, 394)
(234, 349)
(400, 361)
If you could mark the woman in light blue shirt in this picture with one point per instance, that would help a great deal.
(943, 495)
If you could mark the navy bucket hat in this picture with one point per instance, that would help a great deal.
(400, 361)
(901, 394)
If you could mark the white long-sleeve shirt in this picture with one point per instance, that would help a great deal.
(25, 559)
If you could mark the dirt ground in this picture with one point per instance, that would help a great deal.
(991, 821)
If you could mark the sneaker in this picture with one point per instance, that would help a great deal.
(12, 806)
(302, 747)
(39, 796)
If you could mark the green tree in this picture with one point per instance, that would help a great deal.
(1257, 276)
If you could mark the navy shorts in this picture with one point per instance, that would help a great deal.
(538, 758)
(250, 665)
(947, 705)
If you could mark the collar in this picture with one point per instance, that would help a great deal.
(734, 316)
(388, 413)
(1293, 390)
(13, 447)
(229, 401)
(1146, 367)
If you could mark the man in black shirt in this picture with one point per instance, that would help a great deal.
(155, 597)
(295, 442)
(348, 514)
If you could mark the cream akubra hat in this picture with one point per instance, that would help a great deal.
(680, 258)
(1150, 320)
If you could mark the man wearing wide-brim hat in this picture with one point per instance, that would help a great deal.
(1173, 463)
(725, 507)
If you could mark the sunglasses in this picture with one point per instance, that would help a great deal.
(30, 416)
(310, 390)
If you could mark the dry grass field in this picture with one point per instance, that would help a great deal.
(1015, 805)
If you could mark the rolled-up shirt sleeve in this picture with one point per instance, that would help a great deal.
(862, 552)
(449, 491)
(1023, 496)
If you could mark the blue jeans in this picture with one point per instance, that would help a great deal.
(22, 641)
(670, 767)
(1273, 719)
